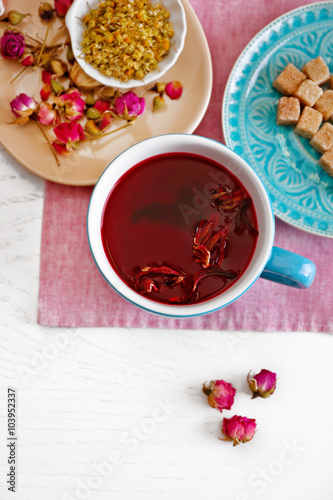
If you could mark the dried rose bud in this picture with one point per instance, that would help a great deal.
(174, 89)
(46, 11)
(220, 394)
(93, 114)
(27, 60)
(69, 133)
(62, 6)
(129, 105)
(23, 105)
(238, 429)
(69, 54)
(15, 17)
(46, 76)
(73, 105)
(107, 93)
(58, 67)
(91, 128)
(158, 102)
(12, 44)
(159, 87)
(56, 87)
(107, 118)
(102, 105)
(90, 99)
(45, 92)
(263, 384)
(47, 115)
(61, 148)
(81, 80)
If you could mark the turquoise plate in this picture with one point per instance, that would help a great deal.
(300, 190)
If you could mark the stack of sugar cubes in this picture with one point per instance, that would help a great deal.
(306, 105)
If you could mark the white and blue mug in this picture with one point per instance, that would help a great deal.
(269, 262)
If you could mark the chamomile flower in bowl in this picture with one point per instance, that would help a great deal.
(126, 43)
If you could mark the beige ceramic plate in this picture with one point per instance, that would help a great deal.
(27, 145)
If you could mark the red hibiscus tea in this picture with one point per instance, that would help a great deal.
(179, 228)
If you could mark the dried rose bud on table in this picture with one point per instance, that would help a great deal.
(263, 384)
(220, 394)
(238, 429)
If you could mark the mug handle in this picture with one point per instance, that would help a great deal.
(289, 269)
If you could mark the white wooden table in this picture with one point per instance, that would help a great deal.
(118, 414)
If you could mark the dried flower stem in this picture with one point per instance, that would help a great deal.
(48, 142)
(112, 113)
(115, 130)
(19, 74)
(44, 44)
(47, 47)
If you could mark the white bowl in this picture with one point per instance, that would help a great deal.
(76, 28)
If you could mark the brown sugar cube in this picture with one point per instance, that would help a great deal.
(322, 141)
(289, 80)
(317, 70)
(308, 93)
(288, 111)
(325, 104)
(326, 162)
(309, 122)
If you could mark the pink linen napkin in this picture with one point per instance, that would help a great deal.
(72, 291)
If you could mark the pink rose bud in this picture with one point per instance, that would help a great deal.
(101, 105)
(238, 429)
(45, 92)
(68, 133)
(27, 60)
(47, 115)
(23, 105)
(129, 105)
(62, 6)
(220, 394)
(46, 76)
(12, 44)
(73, 105)
(60, 148)
(263, 384)
(107, 118)
(69, 136)
(174, 89)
